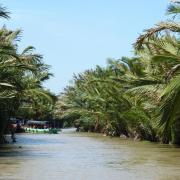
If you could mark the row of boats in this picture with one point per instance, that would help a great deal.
(33, 126)
(41, 127)
(44, 130)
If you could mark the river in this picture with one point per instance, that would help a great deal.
(86, 156)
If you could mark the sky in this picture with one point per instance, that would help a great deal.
(76, 35)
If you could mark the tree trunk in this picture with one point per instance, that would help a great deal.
(3, 125)
(176, 132)
(97, 123)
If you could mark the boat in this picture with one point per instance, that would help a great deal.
(41, 127)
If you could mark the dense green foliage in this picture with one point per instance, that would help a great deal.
(137, 97)
(21, 78)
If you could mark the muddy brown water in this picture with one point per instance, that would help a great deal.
(86, 156)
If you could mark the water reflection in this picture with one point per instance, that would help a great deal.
(87, 156)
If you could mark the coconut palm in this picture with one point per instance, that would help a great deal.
(164, 45)
(21, 78)
(136, 96)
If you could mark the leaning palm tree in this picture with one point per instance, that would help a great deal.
(21, 77)
(164, 46)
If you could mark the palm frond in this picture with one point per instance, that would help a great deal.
(4, 13)
(162, 26)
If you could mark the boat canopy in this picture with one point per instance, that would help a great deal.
(37, 122)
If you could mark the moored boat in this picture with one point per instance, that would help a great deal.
(46, 130)
(40, 127)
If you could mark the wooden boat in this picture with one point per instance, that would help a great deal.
(46, 130)
(40, 127)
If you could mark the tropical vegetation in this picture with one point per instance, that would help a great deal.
(21, 80)
(136, 97)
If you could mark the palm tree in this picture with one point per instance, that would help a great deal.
(164, 50)
(136, 96)
(21, 78)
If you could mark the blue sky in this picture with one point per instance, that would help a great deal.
(75, 35)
